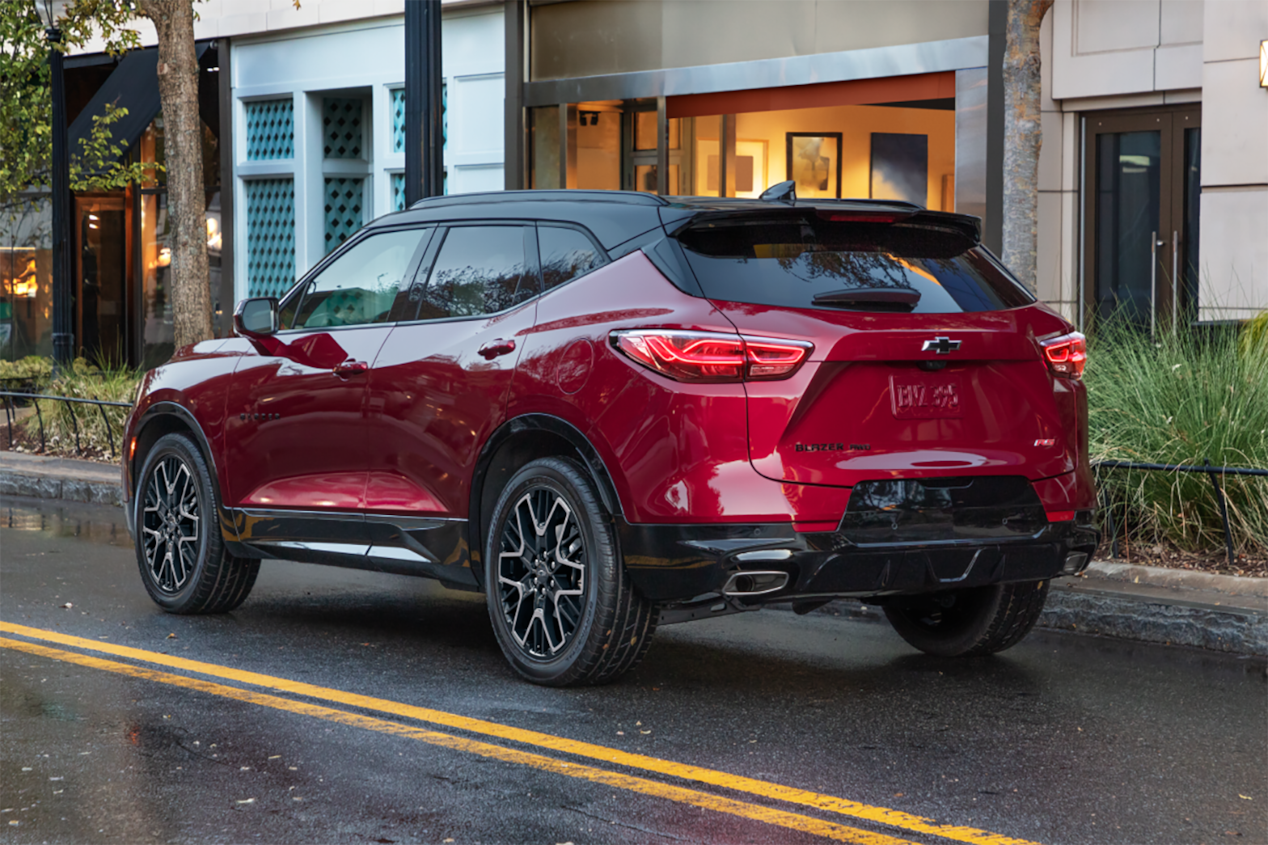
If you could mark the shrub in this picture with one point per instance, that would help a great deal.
(61, 420)
(30, 374)
(1180, 399)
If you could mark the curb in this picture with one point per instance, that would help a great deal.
(1233, 630)
(51, 487)
(69, 479)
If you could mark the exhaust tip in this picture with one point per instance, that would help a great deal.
(754, 583)
(1075, 562)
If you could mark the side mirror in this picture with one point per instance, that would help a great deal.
(256, 317)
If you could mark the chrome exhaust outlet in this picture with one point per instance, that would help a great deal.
(1075, 562)
(754, 583)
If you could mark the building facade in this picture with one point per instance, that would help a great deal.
(1142, 215)
(303, 124)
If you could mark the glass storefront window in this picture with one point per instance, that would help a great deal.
(101, 275)
(599, 146)
(26, 280)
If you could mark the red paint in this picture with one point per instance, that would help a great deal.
(403, 434)
(433, 402)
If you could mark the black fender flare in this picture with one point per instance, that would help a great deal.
(168, 408)
(526, 423)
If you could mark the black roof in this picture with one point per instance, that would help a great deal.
(616, 216)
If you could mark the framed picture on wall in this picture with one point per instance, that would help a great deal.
(900, 167)
(814, 163)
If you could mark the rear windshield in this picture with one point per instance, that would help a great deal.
(788, 261)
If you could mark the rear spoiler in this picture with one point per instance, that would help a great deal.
(843, 211)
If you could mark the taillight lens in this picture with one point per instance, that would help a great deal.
(1066, 355)
(711, 356)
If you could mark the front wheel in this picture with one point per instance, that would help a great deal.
(559, 598)
(184, 564)
(964, 623)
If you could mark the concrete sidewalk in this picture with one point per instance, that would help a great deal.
(1143, 603)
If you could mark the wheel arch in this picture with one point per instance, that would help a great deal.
(162, 418)
(514, 444)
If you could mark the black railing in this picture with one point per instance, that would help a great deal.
(10, 415)
(1212, 472)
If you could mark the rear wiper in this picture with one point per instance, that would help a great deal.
(870, 299)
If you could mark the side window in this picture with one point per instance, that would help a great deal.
(479, 270)
(359, 286)
(566, 254)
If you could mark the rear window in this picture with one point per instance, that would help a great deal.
(789, 261)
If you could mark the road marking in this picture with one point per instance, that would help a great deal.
(843, 806)
(792, 821)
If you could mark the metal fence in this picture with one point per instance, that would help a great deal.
(10, 415)
(1212, 472)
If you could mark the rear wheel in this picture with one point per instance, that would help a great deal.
(963, 623)
(559, 598)
(184, 564)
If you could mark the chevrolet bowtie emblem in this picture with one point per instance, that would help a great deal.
(941, 345)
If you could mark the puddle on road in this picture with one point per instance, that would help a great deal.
(55, 518)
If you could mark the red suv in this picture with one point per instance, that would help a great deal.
(610, 411)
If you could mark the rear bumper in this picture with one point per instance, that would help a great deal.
(689, 564)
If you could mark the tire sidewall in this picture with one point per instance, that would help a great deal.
(953, 642)
(563, 667)
(176, 445)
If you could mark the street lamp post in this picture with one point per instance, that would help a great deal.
(63, 329)
(424, 122)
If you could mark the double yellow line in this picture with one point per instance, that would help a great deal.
(899, 820)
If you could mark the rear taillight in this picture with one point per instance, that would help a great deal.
(712, 356)
(1066, 355)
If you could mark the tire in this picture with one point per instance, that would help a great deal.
(966, 623)
(601, 627)
(184, 564)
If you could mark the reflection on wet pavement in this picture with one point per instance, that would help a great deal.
(94, 523)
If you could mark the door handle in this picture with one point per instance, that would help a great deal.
(351, 368)
(494, 348)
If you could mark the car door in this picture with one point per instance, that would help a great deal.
(297, 435)
(440, 388)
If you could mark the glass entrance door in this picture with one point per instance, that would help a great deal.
(1141, 196)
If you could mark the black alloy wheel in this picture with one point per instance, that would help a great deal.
(171, 513)
(559, 598)
(966, 623)
(541, 572)
(184, 564)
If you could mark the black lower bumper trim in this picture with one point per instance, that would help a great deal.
(686, 563)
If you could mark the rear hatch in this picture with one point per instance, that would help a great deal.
(926, 357)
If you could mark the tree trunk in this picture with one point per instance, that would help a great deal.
(1023, 136)
(186, 200)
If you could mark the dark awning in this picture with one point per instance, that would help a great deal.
(132, 85)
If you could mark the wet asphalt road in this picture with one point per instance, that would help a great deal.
(1065, 738)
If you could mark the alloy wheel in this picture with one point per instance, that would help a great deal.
(542, 572)
(170, 524)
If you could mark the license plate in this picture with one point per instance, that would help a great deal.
(921, 397)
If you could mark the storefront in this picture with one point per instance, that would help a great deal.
(898, 112)
(120, 256)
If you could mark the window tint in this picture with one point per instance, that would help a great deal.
(479, 270)
(360, 285)
(788, 261)
(565, 254)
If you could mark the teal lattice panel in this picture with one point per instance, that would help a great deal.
(270, 129)
(344, 201)
(341, 127)
(398, 191)
(270, 236)
(398, 118)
